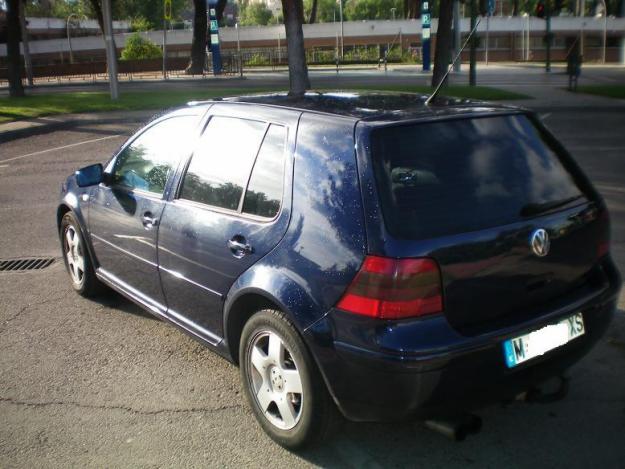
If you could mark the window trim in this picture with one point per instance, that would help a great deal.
(239, 211)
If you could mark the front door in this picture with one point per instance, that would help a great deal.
(230, 210)
(125, 213)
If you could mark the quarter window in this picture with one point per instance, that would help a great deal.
(222, 162)
(264, 191)
(149, 160)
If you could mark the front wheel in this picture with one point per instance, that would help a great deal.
(282, 383)
(76, 257)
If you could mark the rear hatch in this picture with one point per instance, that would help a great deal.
(471, 193)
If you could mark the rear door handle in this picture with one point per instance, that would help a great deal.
(239, 246)
(149, 221)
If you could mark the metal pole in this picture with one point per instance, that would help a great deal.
(487, 34)
(473, 51)
(393, 13)
(239, 49)
(28, 65)
(605, 30)
(342, 31)
(279, 50)
(548, 37)
(69, 39)
(111, 54)
(164, 49)
(457, 35)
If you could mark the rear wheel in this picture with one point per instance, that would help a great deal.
(76, 257)
(282, 383)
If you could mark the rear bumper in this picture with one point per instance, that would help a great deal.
(376, 373)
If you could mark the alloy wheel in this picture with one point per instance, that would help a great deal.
(74, 255)
(275, 380)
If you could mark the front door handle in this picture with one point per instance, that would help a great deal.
(239, 247)
(149, 221)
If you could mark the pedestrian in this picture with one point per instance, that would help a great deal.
(574, 65)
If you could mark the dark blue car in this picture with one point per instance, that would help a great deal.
(361, 252)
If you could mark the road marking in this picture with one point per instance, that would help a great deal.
(545, 116)
(4, 165)
(60, 148)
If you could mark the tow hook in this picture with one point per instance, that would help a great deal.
(552, 391)
(457, 427)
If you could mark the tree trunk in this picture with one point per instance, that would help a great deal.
(313, 12)
(96, 5)
(219, 9)
(443, 42)
(198, 43)
(515, 7)
(293, 12)
(412, 9)
(14, 62)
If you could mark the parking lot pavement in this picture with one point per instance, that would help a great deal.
(100, 383)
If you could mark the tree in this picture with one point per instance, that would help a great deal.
(14, 65)
(313, 12)
(198, 42)
(443, 41)
(293, 12)
(412, 9)
(323, 10)
(372, 9)
(255, 14)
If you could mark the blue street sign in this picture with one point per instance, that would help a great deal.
(491, 7)
(425, 34)
(213, 34)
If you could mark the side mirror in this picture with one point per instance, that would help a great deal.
(90, 175)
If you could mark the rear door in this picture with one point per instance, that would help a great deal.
(472, 194)
(231, 208)
(125, 212)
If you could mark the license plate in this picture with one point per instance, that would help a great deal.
(525, 347)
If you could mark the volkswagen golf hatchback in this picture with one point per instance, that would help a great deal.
(361, 253)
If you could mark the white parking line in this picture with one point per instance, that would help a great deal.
(60, 148)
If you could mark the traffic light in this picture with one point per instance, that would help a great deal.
(540, 9)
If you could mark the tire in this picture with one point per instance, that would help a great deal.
(77, 259)
(292, 419)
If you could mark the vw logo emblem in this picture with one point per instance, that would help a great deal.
(539, 242)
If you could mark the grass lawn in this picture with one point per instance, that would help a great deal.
(64, 103)
(610, 91)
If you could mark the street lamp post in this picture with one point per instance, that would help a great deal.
(69, 39)
(236, 26)
(605, 30)
(342, 31)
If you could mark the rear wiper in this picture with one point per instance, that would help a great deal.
(535, 208)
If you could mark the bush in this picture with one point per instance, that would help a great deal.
(258, 59)
(139, 23)
(138, 47)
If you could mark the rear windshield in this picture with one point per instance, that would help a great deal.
(449, 177)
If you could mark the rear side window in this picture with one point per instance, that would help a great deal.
(222, 162)
(455, 176)
(264, 191)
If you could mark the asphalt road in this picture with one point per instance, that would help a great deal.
(85, 383)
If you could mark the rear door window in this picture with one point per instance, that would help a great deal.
(449, 177)
(264, 191)
(221, 164)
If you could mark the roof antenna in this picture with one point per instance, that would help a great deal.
(440, 84)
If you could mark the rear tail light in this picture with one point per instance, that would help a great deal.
(387, 288)
(604, 241)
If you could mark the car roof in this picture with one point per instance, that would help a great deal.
(371, 106)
